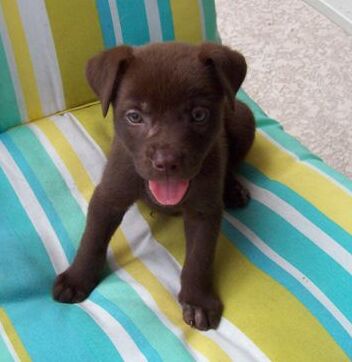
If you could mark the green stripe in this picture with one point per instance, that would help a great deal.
(5, 355)
(9, 112)
(51, 183)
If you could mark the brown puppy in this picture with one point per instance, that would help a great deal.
(179, 135)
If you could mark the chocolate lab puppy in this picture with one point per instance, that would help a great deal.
(179, 136)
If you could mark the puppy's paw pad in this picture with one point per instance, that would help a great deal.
(67, 289)
(202, 318)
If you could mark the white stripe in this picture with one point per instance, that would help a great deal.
(90, 139)
(43, 54)
(153, 17)
(296, 158)
(116, 21)
(34, 211)
(167, 270)
(302, 224)
(202, 19)
(153, 255)
(117, 334)
(82, 144)
(12, 67)
(57, 255)
(294, 272)
(8, 343)
(70, 183)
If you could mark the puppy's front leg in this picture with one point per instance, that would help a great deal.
(202, 309)
(77, 282)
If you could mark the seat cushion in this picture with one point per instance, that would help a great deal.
(44, 45)
(283, 264)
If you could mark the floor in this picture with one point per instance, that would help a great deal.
(299, 71)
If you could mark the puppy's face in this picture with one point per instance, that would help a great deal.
(168, 104)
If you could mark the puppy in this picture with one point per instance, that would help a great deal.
(179, 135)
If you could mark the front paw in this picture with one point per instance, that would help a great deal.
(72, 287)
(203, 314)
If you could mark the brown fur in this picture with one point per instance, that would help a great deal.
(165, 82)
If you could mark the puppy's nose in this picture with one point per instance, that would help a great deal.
(165, 161)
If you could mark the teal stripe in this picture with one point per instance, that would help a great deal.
(120, 293)
(274, 130)
(300, 204)
(5, 355)
(166, 20)
(334, 281)
(210, 20)
(133, 20)
(46, 328)
(48, 187)
(56, 186)
(106, 23)
(142, 343)
(257, 258)
(9, 113)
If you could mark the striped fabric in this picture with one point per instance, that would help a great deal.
(283, 265)
(44, 45)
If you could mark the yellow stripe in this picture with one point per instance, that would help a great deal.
(165, 301)
(77, 36)
(307, 182)
(23, 59)
(13, 337)
(68, 156)
(187, 20)
(254, 302)
(123, 254)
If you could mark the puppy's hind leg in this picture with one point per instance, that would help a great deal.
(235, 194)
(240, 131)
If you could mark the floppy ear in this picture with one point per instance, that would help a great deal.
(230, 66)
(105, 70)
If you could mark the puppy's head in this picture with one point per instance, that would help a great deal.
(168, 101)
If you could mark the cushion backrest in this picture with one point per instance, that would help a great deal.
(44, 45)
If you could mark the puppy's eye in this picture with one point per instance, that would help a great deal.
(134, 117)
(200, 115)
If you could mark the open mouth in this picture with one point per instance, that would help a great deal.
(168, 192)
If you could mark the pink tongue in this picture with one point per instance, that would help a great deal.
(168, 192)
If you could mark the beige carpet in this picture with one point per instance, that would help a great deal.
(300, 71)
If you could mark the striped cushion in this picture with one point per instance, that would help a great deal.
(44, 45)
(283, 265)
